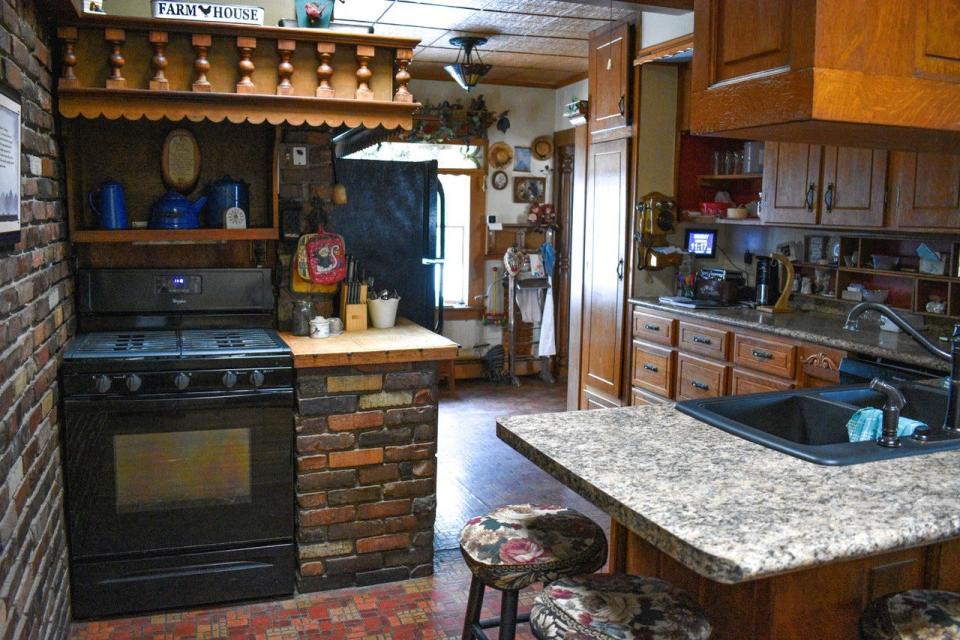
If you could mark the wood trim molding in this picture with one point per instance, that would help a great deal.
(664, 49)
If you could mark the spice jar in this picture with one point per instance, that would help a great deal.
(302, 314)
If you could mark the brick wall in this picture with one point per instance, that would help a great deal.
(366, 474)
(36, 314)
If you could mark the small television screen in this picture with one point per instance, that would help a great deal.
(702, 243)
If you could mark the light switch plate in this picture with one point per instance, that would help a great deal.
(299, 156)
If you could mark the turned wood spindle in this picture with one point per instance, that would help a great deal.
(245, 66)
(364, 54)
(69, 37)
(325, 51)
(159, 61)
(201, 65)
(285, 68)
(404, 57)
(116, 38)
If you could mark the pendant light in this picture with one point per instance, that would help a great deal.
(469, 68)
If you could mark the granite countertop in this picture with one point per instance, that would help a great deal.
(732, 510)
(819, 328)
(405, 342)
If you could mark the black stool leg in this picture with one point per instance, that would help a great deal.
(508, 615)
(474, 604)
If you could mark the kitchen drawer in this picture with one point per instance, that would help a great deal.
(654, 328)
(820, 366)
(766, 356)
(712, 343)
(653, 368)
(595, 400)
(698, 378)
(746, 383)
(639, 398)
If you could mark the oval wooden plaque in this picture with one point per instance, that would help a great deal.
(181, 160)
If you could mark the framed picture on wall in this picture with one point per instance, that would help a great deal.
(522, 159)
(529, 189)
(9, 165)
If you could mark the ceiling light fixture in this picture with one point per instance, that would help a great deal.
(469, 68)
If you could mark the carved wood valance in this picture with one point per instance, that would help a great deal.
(128, 68)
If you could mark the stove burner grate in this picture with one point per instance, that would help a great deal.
(224, 341)
(131, 344)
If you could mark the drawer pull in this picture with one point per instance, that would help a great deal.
(651, 327)
(702, 340)
(699, 385)
(762, 355)
(650, 367)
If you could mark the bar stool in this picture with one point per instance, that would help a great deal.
(515, 546)
(918, 614)
(616, 607)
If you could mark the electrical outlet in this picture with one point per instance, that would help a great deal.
(299, 156)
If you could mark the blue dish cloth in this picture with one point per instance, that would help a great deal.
(867, 424)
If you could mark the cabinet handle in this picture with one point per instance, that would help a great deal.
(762, 355)
(650, 367)
(699, 385)
(702, 340)
(811, 195)
(651, 327)
(622, 105)
(620, 269)
(828, 197)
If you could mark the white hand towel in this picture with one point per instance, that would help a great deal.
(548, 341)
(529, 302)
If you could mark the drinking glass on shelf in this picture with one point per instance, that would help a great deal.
(717, 163)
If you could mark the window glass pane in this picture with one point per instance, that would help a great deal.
(448, 156)
(456, 270)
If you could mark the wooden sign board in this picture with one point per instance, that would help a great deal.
(208, 12)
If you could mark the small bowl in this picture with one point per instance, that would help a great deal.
(885, 263)
(876, 295)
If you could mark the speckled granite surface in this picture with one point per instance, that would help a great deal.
(733, 510)
(819, 328)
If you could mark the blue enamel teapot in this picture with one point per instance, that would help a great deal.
(174, 211)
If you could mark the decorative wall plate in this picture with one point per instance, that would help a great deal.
(499, 180)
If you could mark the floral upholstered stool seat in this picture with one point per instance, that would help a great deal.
(616, 607)
(912, 615)
(518, 545)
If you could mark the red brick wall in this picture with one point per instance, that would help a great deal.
(366, 474)
(36, 311)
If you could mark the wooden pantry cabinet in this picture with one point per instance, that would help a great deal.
(828, 71)
(688, 358)
(611, 57)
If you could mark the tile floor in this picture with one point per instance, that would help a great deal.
(476, 472)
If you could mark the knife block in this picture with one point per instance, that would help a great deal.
(354, 316)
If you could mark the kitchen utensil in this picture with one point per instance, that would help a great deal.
(109, 205)
(885, 263)
(876, 295)
(222, 196)
(174, 211)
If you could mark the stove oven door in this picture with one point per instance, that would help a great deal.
(149, 476)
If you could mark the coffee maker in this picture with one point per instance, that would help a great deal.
(768, 281)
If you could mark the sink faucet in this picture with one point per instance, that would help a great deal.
(891, 412)
(951, 421)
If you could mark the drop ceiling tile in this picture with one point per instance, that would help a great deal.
(426, 15)
(365, 11)
(469, 4)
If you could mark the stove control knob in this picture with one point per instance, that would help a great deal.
(256, 379)
(181, 381)
(102, 383)
(229, 379)
(133, 382)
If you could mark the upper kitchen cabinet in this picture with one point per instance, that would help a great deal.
(833, 186)
(611, 56)
(884, 72)
(927, 190)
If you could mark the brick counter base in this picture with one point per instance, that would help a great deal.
(366, 474)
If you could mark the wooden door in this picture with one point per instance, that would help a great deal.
(602, 340)
(610, 67)
(927, 190)
(791, 182)
(854, 187)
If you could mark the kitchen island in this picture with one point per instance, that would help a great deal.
(366, 429)
(773, 547)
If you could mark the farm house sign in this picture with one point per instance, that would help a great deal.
(208, 12)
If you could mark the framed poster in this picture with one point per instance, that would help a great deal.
(529, 189)
(522, 160)
(9, 166)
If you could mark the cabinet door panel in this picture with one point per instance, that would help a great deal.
(854, 181)
(744, 383)
(938, 47)
(653, 368)
(752, 36)
(609, 79)
(698, 378)
(791, 176)
(603, 286)
(928, 186)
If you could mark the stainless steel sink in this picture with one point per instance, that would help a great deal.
(812, 424)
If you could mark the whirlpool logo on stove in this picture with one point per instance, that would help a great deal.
(178, 300)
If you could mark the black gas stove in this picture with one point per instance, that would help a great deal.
(178, 404)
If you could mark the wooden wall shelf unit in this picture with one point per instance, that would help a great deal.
(134, 68)
(172, 235)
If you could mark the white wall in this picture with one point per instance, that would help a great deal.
(565, 95)
(660, 27)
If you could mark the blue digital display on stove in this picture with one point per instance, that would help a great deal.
(179, 284)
